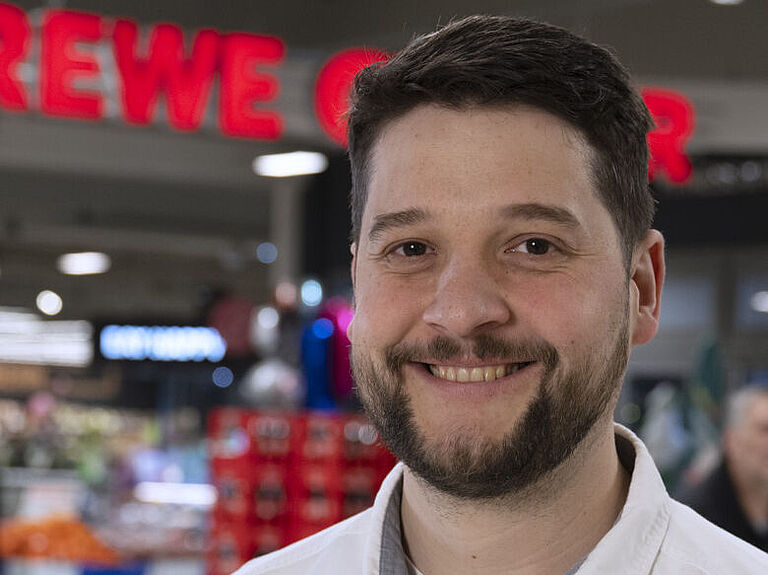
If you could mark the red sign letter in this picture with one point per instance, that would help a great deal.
(674, 118)
(334, 83)
(242, 85)
(14, 32)
(62, 64)
(186, 82)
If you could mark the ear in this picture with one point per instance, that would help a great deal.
(353, 274)
(352, 265)
(646, 281)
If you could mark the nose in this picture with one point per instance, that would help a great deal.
(467, 302)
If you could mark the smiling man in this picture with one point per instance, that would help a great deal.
(503, 267)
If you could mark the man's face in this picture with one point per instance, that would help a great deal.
(491, 324)
(748, 442)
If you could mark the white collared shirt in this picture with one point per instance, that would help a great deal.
(654, 535)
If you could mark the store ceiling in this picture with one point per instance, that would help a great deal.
(691, 38)
(145, 194)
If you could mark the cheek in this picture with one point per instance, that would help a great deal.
(383, 313)
(572, 312)
(757, 443)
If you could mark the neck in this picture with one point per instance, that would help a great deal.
(521, 534)
(752, 494)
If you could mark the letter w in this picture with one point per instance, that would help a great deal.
(186, 82)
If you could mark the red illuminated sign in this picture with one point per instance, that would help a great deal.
(333, 86)
(242, 85)
(186, 82)
(14, 40)
(675, 120)
(62, 64)
(184, 78)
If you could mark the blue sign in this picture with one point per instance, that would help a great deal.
(161, 343)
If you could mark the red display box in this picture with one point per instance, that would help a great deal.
(282, 476)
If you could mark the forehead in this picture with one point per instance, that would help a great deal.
(437, 158)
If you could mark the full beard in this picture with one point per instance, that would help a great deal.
(566, 406)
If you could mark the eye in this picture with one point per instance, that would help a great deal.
(410, 256)
(534, 247)
(411, 249)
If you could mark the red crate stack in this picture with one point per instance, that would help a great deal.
(316, 473)
(281, 476)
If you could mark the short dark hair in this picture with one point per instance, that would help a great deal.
(497, 61)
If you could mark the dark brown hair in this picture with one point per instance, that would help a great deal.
(498, 61)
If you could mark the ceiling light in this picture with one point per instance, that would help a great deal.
(286, 295)
(268, 318)
(49, 302)
(726, 2)
(223, 377)
(322, 328)
(266, 252)
(290, 164)
(83, 263)
(759, 301)
(27, 338)
(311, 293)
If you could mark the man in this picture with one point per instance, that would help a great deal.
(503, 266)
(735, 495)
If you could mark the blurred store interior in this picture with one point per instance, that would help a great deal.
(174, 394)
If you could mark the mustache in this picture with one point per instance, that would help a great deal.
(444, 349)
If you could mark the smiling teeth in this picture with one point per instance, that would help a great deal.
(474, 374)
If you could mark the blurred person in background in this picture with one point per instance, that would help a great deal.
(503, 268)
(735, 495)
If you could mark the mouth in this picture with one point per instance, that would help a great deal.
(475, 374)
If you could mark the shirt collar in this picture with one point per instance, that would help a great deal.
(393, 559)
(638, 532)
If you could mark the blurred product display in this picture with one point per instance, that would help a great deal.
(93, 487)
(71, 479)
(104, 491)
(56, 538)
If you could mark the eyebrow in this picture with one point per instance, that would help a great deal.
(529, 211)
(536, 211)
(391, 220)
